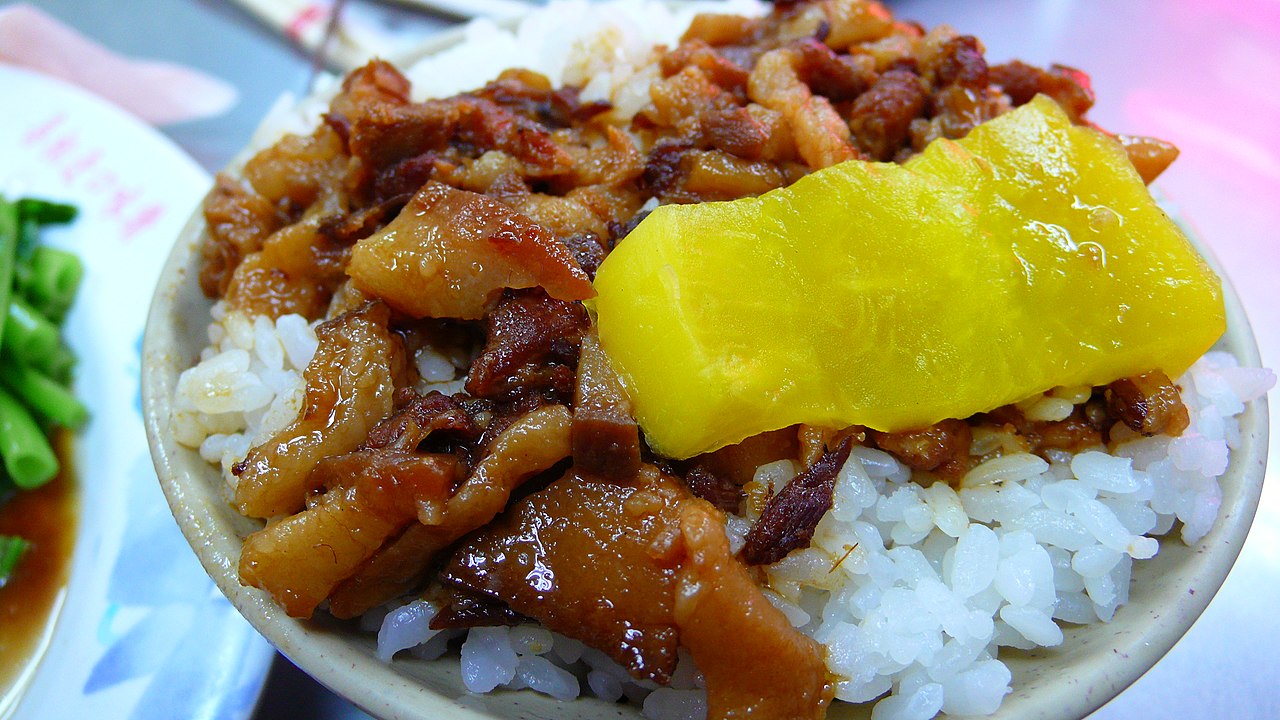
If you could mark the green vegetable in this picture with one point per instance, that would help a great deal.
(59, 365)
(8, 254)
(43, 394)
(27, 455)
(49, 280)
(29, 337)
(11, 551)
(28, 237)
(46, 212)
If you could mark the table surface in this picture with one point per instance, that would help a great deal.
(1200, 73)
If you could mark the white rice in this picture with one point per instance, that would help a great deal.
(913, 590)
(247, 386)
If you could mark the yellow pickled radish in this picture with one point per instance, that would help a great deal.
(1026, 256)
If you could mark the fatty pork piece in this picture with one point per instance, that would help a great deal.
(373, 494)
(755, 664)
(450, 253)
(350, 384)
(590, 559)
(300, 559)
(530, 445)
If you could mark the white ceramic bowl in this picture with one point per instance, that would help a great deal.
(1092, 665)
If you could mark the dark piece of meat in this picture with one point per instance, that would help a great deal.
(836, 77)
(662, 172)
(618, 231)
(718, 476)
(588, 559)
(606, 438)
(347, 228)
(588, 249)
(1085, 428)
(1149, 404)
(752, 133)
(1071, 88)
(384, 136)
(961, 63)
(467, 609)
(720, 491)
(433, 423)
(376, 83)
(1075, 434)
(416, 417)
(790, 517)
(881, 117)
(927, 448)
(531, 349)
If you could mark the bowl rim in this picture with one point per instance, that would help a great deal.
(322, 649)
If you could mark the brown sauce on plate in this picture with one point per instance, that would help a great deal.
(47, 518)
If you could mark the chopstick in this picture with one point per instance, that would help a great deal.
(305, 23)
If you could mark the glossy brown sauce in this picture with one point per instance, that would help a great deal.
(46, 517)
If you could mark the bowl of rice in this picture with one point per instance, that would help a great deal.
(1039, 582)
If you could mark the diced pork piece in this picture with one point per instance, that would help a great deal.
(350, 384)
(450, 253)
(855, 21)
(300, 559)
(720, 70)
(927, 448)
(238, 219)
(721, 29)
(530, 445)
(297, 270)
(1149, 404)
(822, 138)
(531, 348)
(606, 438)
(835, 77)
(1150, 156)
(1070, 87)
(531, 95)
(881, 117)
(755, 664)
(589, 559)
(714, 175)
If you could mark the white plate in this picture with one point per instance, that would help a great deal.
(142, 633)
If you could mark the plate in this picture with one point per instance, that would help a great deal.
(142, 633)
